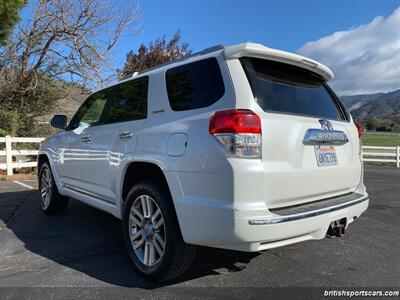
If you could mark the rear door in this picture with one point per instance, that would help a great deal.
(310, 145)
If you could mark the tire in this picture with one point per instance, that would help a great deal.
(163, 263)
(51, 200)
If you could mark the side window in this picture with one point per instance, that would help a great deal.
(127, 101)
(90, 112)
(194, 85)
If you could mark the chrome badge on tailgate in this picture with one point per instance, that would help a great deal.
(326, 135)
(324, 141)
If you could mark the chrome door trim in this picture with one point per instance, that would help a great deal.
(126, 135)
(86, 138)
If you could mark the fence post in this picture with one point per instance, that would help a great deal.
(398, 156)
(8, 156)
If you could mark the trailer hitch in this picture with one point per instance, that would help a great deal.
(337, 228)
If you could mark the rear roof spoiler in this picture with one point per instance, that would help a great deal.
(260, 51)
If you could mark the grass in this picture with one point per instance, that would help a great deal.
(383, 141)
(380, 140)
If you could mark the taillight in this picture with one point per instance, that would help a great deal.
(359, 129)
(238, 131)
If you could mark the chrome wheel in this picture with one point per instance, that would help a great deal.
(147, 230)
(45, 188)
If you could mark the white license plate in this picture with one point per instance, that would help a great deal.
(326, 156)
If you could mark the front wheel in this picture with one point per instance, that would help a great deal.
(152, 235)
(51, 200)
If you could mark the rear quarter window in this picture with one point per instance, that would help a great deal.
(194, 85)
(283, 88)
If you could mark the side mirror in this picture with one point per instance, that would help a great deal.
(59, 121)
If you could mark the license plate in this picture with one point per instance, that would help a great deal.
(326, 156)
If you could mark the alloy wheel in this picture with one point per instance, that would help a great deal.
(45, 188)
(147, 230)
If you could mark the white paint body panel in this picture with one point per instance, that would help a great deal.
(214, 195)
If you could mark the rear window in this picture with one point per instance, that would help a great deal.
(194, 85)
(283, 88)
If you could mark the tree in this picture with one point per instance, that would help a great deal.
(371, 123)
(65, 40)
(9, 16)
(157, 52)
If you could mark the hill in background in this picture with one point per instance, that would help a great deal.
(73, 97)
(356, 101)
(381, 105)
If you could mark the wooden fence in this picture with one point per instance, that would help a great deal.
(9, 153)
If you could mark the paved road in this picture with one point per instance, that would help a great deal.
(83, 248)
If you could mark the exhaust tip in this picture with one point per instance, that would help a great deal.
(337, 228)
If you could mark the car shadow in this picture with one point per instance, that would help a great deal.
(90, 241)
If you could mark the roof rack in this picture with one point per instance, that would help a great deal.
(202, 52)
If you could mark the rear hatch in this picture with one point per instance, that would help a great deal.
(310, 147)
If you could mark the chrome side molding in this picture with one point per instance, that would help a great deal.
(315, 136)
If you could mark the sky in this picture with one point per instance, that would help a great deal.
(365, 58)
(358, 39)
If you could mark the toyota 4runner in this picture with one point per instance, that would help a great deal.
(241, 147)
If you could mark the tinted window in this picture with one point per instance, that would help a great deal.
(127, 101)
(195, 85)
(120, 103)
(283, 88)
(90, 112)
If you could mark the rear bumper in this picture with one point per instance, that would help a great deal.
(247, 230)
(312, 209)
(280, 230)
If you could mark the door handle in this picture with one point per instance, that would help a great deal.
(126, 135)
(86, 138)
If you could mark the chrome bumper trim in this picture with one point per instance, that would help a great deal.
(281, 219)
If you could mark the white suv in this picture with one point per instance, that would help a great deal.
(241, 147)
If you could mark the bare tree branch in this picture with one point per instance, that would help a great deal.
(63, 39)
(77, 34)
